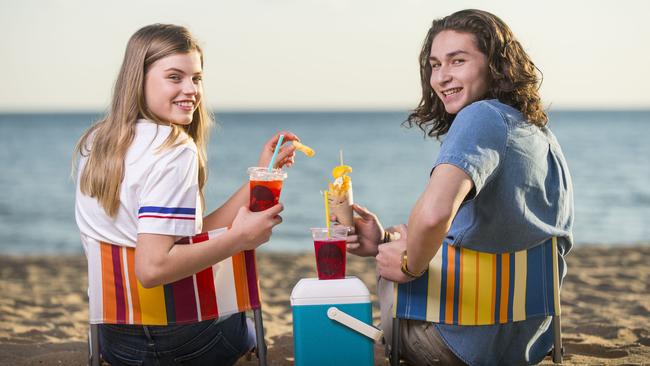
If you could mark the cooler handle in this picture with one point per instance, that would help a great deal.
(354, 323)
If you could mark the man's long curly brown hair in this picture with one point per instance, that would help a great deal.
(512, 78)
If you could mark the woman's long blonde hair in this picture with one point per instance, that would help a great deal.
(107, 141)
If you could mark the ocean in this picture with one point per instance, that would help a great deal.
(607, 154)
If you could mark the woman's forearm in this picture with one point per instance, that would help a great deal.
(166, 262)
(224, 215)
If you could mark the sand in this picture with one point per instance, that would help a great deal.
(605, 304)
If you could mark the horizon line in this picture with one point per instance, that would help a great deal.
(313, 110)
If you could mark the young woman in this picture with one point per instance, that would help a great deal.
(141, 175)
(499, 184)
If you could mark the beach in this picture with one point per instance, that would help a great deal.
(605, 306)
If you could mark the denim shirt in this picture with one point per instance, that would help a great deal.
(522, 196)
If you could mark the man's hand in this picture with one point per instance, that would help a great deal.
(389, 261)
(367, 233)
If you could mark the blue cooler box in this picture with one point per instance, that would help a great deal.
(330, 318)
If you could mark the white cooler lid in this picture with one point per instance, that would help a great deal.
(312, 291)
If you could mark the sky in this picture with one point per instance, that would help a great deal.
(64, 55)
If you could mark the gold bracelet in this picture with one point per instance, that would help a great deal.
(405, 268)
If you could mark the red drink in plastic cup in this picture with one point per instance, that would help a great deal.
(330, 252)
(265, 187)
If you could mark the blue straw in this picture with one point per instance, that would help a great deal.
(275, 152)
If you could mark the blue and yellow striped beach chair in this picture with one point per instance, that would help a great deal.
(228, 287)
(467, 287)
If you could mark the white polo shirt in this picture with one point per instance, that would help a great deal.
(159, 193)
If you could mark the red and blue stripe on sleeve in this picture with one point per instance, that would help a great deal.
(177, 213)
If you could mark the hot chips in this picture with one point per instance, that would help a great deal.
(304, 148)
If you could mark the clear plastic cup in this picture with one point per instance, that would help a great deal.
(330, 252)
(265, 187)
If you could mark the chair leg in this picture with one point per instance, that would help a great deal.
(394, 347)
(93, 345)
(557, 340)
(261, 344)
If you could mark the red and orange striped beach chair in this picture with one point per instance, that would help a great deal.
(228, 287)
(467, 287)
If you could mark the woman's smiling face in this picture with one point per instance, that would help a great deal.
(173, 87)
